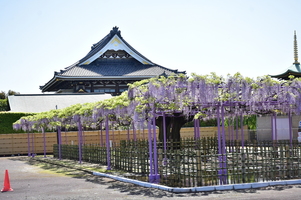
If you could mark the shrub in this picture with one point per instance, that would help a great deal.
(7, 119)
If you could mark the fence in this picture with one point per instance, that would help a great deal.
(17, 144)
(197, 163)
(14, 144)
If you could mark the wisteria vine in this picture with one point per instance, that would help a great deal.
(199, 96)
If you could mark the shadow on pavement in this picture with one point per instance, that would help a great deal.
(130, 189)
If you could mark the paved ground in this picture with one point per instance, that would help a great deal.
(32, 181)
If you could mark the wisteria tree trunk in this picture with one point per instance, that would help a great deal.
(173, 127)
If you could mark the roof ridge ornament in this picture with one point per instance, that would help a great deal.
(164, 74)
(115, 31)
(295, 49)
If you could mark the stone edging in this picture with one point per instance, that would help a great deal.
(200, 189)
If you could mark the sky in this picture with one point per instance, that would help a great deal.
(252, 37)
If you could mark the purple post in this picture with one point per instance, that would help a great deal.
(242, 132)
(231, 130)
(151, 175)
(28, 144)
(157, 176)
(275, 119)
(59, 142)
(272, 127)
(101, 137)
(224, 157)
(233, 137)
(79, 135)
(229, 133)
(236, 120)
(164, 137)
(44, 141)
(134, 133)
(108, 144)
(32, 141)
(220, 158)
(194, 129)
(218, 131)
(290, 128)
(198, 129)
(128, 133)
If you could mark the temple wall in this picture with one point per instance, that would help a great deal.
(264, 128)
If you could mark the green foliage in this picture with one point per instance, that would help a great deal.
(7, 119)
(2, 95)
(203, 123)
(4, 105)
(114, 102)
(249, 121)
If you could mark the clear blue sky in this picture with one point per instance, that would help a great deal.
(253, 37)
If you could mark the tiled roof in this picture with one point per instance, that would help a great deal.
(115, 67)
(111, 66)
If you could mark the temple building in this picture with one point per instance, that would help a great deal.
(109, 66)
(294, 69)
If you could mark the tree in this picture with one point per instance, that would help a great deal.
(2, 95)
(173, 126)
(11, 92)
(4, 104)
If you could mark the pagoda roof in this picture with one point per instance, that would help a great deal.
(110, 58)
(292, 70)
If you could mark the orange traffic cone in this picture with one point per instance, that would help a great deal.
(6, 186)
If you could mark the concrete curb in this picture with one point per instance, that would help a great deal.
(200, 189)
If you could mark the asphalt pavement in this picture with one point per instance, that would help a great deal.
(37, 182)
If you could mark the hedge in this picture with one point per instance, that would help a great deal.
(7, 119)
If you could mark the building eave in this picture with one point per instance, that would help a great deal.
(55, 79)
(48, 84)
(101, 77)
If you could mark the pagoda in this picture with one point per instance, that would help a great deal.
(293, 70)
(108, 67)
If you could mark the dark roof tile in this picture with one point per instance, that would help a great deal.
(115, 67)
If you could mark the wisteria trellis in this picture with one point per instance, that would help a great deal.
(206, 97)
